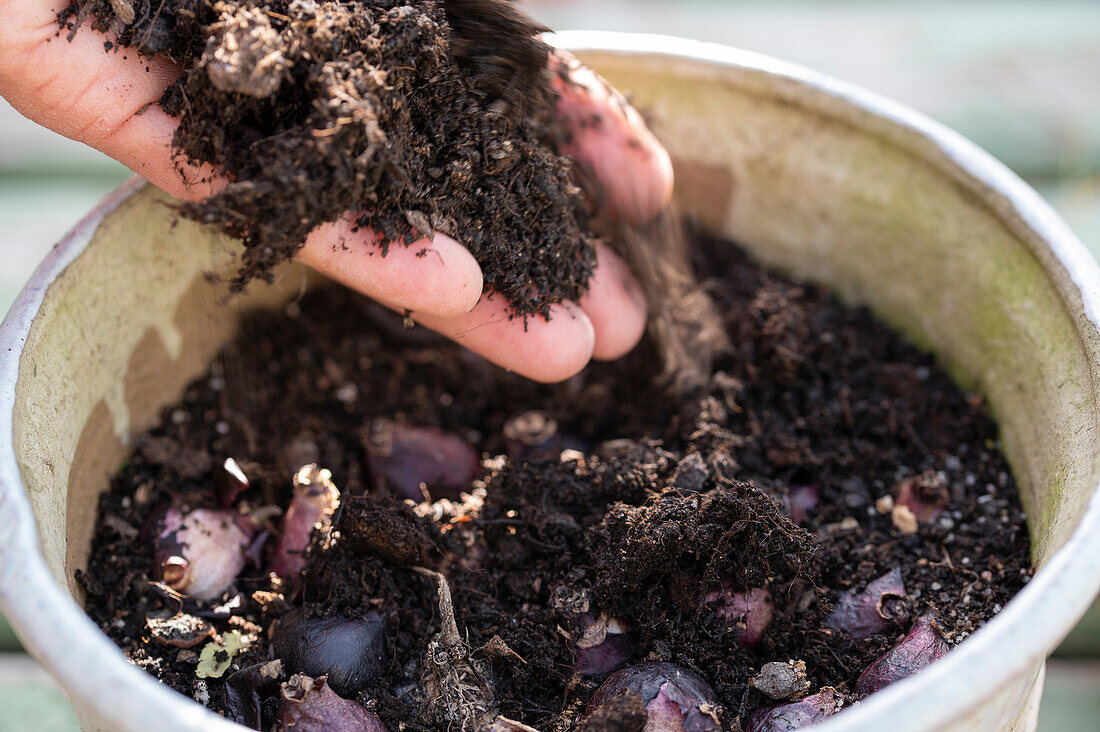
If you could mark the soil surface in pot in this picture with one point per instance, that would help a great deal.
(579, 527)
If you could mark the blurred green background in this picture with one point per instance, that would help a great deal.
(1021, 78)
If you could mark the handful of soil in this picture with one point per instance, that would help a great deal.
(827, 516)
(418, 115)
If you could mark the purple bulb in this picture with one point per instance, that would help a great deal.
(229, 482)
(747, 614)
(246, 689)
(877, 609)
(200, 553)
(605, 644)
(919, 648)
(925, 495)
(796, 715)
(351, 653)
(675, 699)
(315, 500)
(411, 459)
(801, 500)
(309, 705)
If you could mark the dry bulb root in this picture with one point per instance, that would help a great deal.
(457, 690)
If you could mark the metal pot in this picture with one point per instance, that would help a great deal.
(819, 179)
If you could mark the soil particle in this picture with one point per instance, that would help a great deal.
(635, 509)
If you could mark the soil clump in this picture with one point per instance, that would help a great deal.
(417, 115)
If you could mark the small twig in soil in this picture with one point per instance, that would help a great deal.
(152, 23)
(503, 724)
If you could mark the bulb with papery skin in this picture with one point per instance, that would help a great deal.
(880, 607)
(747, 614)
(315, 500)
(246, 689)
(200, 553)
(352, 653)
(925, 495)
(675, 699)
(919, 648)
(309, 705)
(410, 458)
(604, 645)
(796, 715)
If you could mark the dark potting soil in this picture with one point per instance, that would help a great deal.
(824, 453)
(423, 115)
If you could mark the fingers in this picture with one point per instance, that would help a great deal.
(144, 145)
(109, 100)
(609, 322)
(616, 306)
(438, 278)
(542, 350)
(611, 144)
(104, 99)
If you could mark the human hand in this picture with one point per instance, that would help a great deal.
(108, 101)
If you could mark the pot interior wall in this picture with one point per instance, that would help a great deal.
(121, 332)
(809, 185)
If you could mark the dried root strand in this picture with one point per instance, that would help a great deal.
(503, 724)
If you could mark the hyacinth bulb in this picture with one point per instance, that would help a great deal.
(246, 689)
(801, 500)
(675, 699)
(605, 645)
(309, 705)
(412, 459)
(796, 715)
(351, 653)
(747, 614)
(919, 648)
(879, 608)
(200, 553)
(315, 500)
(925, 495)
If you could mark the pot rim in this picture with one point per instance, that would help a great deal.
(65, 640)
